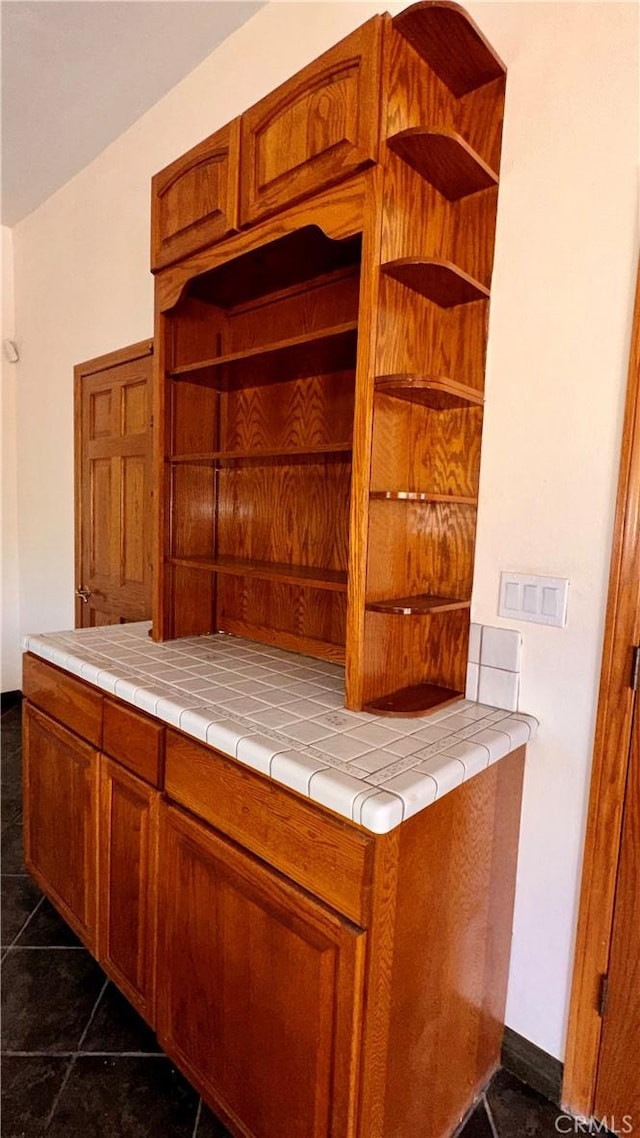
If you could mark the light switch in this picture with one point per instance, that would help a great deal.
(542, 600)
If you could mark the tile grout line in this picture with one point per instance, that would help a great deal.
(83, 1054)
(197, 1121)
(56, 1100)
(489, 1115)
(91, 1017)
(72, 1061)
(25, 924)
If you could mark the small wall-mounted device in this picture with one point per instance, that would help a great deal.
(11, 352)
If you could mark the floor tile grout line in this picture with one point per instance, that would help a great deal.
(25, 924)
(489, 1115)
(56, 1100)
(197, 1121)
(43, 947)
(92, 1016)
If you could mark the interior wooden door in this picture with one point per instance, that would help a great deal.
(113, 487)
(618, 1079)
(259, 988)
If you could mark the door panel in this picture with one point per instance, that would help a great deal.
(114, 487)
(618, 1080)
(256, 978)
(128, 883)
(61, 801)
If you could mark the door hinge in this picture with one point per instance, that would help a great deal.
(603, 998)
(635, 667)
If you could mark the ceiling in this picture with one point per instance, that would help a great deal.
(77, 73)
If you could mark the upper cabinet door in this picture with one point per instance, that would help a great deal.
(194, 201)
(316, 129)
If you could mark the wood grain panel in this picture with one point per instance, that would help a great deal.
(291, 616)
(260, 515)
(418, 97)
(438, 342)
(312, 304)
(135, 511)
(100, 414)
(447, 1012)
(195, 330)
(417, 548)
(415, 448)
(128, 868)
(320, 851)
(316, 128)
(134, 409)
(618, 1087)
(193, 510)
(60, 783)
(74, 703)
(305, 413)
(194, 201)
(135, 740)
(192, 593)
(402, 651)
(194, 418)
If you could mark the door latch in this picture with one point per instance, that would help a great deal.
(84, 594)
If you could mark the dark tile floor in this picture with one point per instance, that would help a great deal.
(78, 1062)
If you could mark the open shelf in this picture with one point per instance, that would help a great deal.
(451, 43)
(419, 699)
(334, 580)
(424, 605)
(420, 496)
(440, 394)
(440, 281)
(311, 353)
(336, 451)
(444, 159)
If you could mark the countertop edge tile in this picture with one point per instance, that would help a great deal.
(476, 736)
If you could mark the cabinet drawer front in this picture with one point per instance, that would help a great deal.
(73, 702)
(314, 130)
(194, 201)
(136, 741)
(326, 856)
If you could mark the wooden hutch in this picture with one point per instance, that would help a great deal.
(322, 293)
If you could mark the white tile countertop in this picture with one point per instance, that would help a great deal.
(282, 714)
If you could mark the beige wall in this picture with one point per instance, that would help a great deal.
(560, 324)
(10, 657)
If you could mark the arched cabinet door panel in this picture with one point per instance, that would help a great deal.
(314, 130)
(194, 201)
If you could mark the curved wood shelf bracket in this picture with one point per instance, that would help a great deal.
(444, 159)
(439, 281)
(451, 43)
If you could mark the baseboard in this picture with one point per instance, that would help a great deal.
(9, 699)
(531, 1064)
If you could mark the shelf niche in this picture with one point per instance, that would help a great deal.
(451, 43)
(443, 158)
(439, 281)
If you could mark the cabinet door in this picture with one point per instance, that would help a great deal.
(314, 130)
(128, 883)
(259, 988)
(194, 201)
(60, 819)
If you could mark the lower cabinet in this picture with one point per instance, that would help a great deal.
(128, 882)
(60, 819)
(259, 988)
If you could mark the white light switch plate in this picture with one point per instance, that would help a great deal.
(541, 600)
